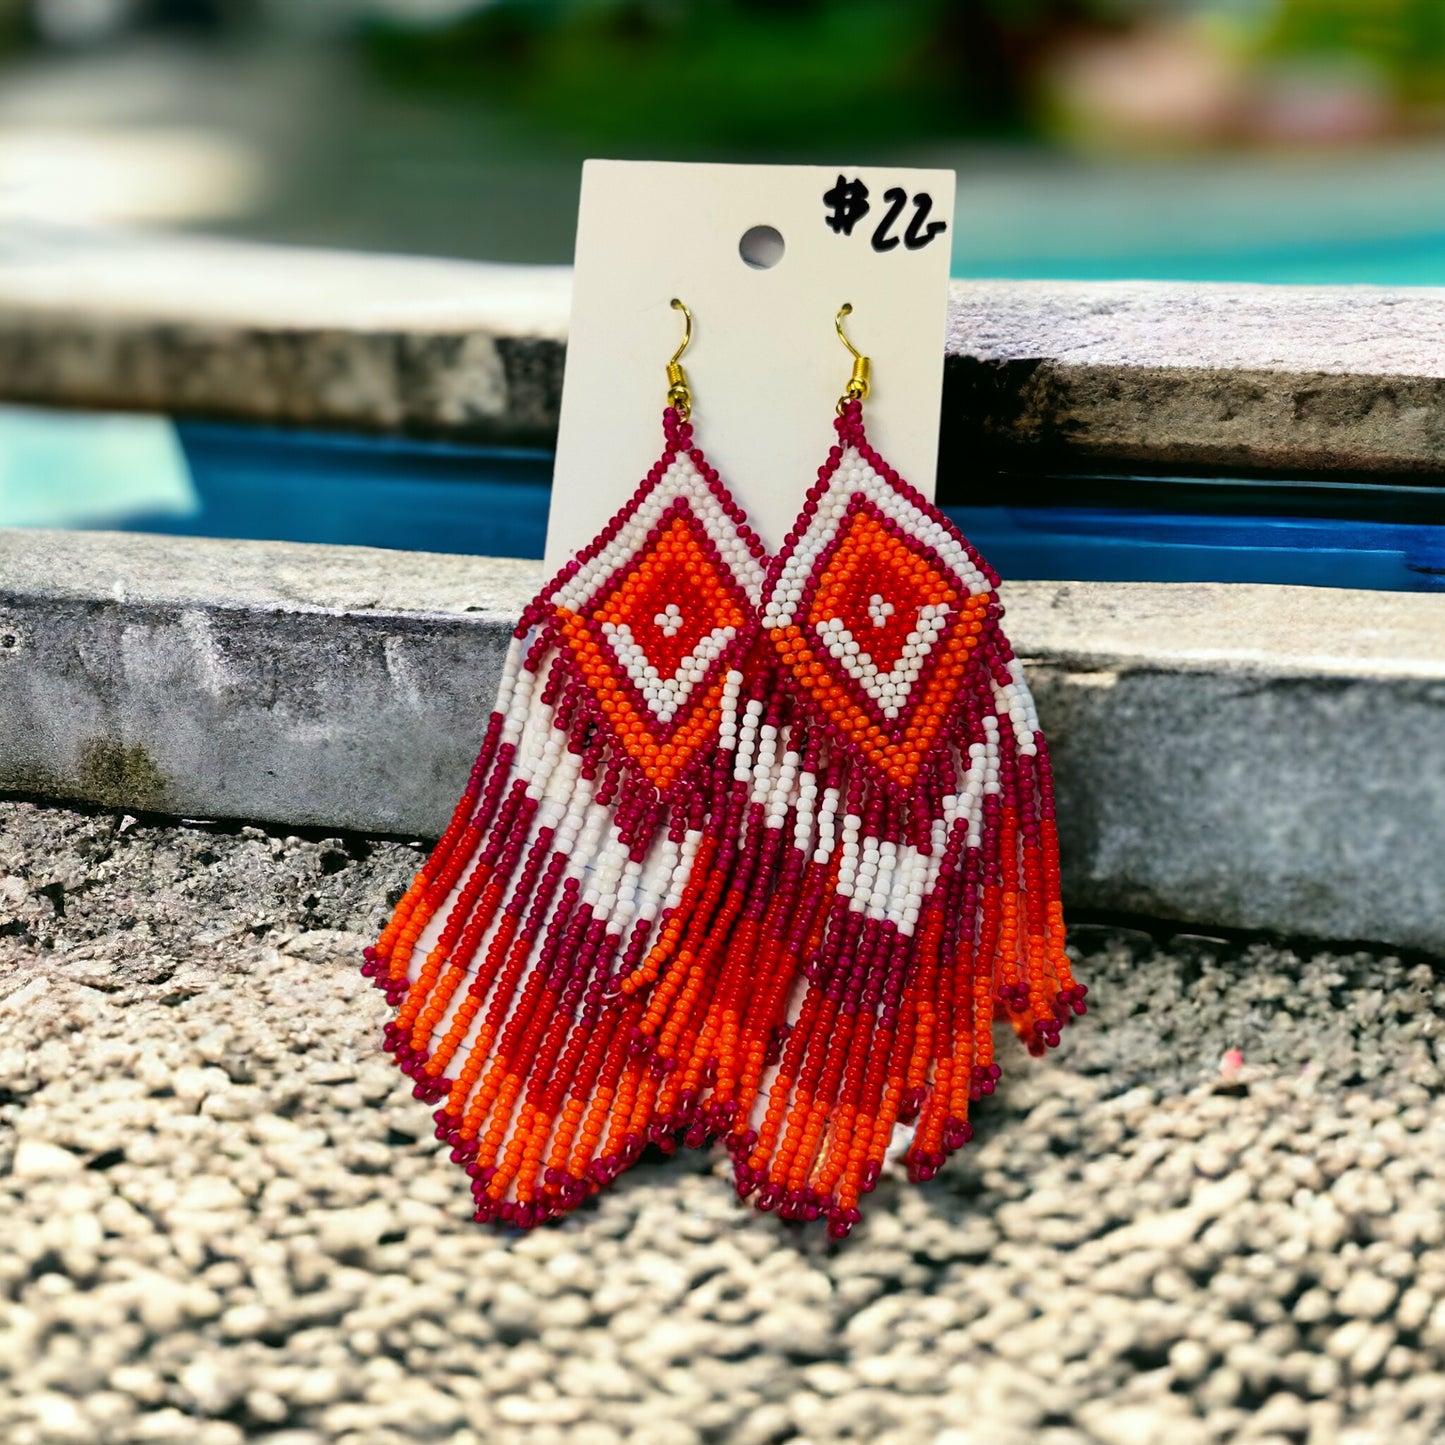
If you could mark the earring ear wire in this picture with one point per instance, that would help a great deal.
(859, 381)
(679, 396)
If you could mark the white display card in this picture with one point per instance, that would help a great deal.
(765, 365)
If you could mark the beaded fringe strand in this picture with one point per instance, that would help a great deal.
(728, 870)
(902, 818)
(547, 959)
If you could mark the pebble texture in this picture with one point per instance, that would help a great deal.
(225, 1221)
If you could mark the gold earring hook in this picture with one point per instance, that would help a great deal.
(858, 385)
(677, 305)
(679, 397)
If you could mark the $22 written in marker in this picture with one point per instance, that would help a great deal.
(846, 203)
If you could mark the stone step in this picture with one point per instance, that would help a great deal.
(1242, 756)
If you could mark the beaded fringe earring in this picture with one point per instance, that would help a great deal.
(906, 808)
(550, 962)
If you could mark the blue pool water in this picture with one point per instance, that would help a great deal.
(202, 479)
(1366, 215)
(1408, 260)
(431, 496)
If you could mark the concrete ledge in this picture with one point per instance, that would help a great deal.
(1040, 374)
(1243, 378)
(1260, 757)
(194, 327)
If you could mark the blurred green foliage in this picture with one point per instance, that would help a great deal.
(757, 74)
(14, 22)
(1402, 40)
(780, 76)
(674, 75)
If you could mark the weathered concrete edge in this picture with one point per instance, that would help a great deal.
(1269, 378)
(1039, 374)
(1291, 780)
(1219, 627)
(474, 386)
(194, 326)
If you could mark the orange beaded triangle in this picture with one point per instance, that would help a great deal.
(655, 641)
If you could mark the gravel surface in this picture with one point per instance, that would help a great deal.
(222, 1217)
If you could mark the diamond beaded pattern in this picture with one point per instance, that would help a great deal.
(759, 869)
(875, 611)
(596, 817)
(917, 891)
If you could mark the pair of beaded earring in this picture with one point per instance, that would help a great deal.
(755, 849)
